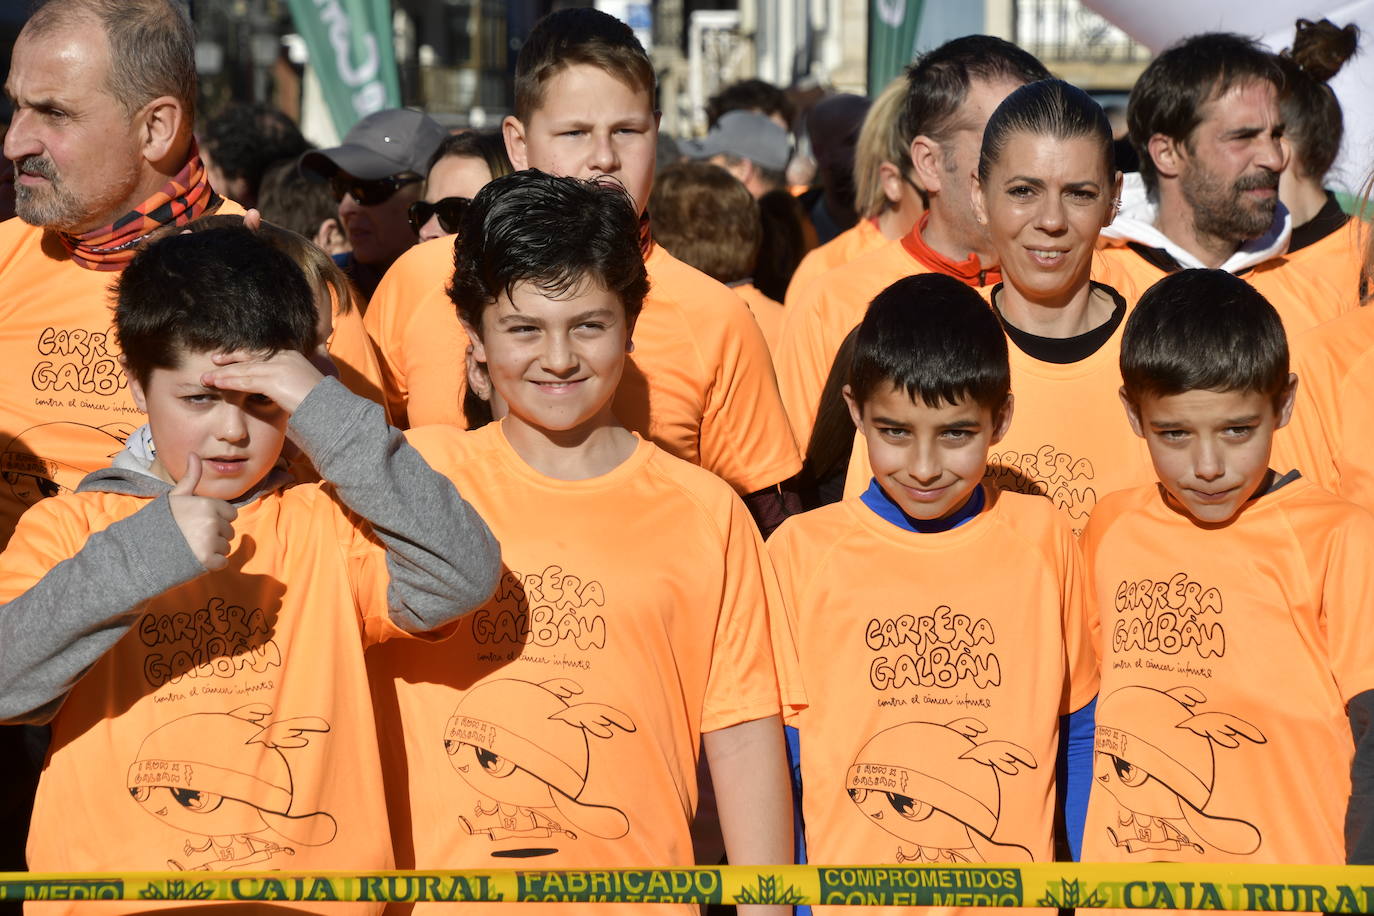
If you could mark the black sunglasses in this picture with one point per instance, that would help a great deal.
(369, 193)
(450, 211)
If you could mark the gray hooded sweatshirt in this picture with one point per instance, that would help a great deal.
(441, 558)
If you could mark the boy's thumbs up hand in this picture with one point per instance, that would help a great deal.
(204, 522)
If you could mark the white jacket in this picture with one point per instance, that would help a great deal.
(1135, 222)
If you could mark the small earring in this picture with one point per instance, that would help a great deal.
(629, 346)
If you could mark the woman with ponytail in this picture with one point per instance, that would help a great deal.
(1313, 126)
(1326, 251)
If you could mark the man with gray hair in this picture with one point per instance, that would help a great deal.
(101, 141)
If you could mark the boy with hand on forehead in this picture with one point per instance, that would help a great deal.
(700, 382)
(936, 689)
(1231, 608)
(193, 629)
(635, 622)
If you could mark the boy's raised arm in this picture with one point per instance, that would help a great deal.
(442, 559)
(754, 795)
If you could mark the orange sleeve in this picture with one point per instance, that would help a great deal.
(745, 436)
(1347, 583)
(418, 339)
(748, 679)
(433, 358)
(781, 550)
(380, 323)
(803, 361)
(1306, 442)
(353, 354)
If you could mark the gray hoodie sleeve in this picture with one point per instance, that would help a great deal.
(442, 559)
(56, 630)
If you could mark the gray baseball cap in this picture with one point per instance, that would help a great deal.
(746, 134)
(382, 144)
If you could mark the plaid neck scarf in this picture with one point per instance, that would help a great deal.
(183, 198)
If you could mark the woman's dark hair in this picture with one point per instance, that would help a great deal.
(1046, 108)
(553, 233)
(934, 338)
(826, 462)
(487, 145)
(210, 292)
(1312, 119)
(1203, 330)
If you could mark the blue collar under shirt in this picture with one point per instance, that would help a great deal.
(876, 498)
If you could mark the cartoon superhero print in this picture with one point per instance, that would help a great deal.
(1154, 755)
(27, 465)
(223, 778)
(936, 787)
(525, 749)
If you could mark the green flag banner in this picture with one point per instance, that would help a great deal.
(892, 26)
(351, 50)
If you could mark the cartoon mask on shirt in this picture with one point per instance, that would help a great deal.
(935, 786)
(28, 466)
(524, 747)
(223, 777)
(1155, 756)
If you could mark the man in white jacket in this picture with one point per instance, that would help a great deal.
(1204, 117)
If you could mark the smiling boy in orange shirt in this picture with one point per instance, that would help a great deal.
(936, 689)
(634, 624)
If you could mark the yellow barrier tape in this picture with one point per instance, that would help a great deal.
(1278, 888)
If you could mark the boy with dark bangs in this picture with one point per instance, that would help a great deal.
(191, 627)
(633, 623)
(937, 683)
(1232, 608)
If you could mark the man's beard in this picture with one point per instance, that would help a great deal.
(1223, 211)
(51, 207)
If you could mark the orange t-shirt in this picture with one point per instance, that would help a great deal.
(767, 312)
(232, 726)
(1069, 439)
(1228, 656)
(699, 383)
(560, 726)
(857, 240)
(67, 410)
(1307, 288)
(1330, 437)
(354, 355)
(417, 337)
(935, 688)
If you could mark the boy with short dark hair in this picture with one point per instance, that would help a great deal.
(1233, 631)
(633, 622)
(936, 683)
(192, 630)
